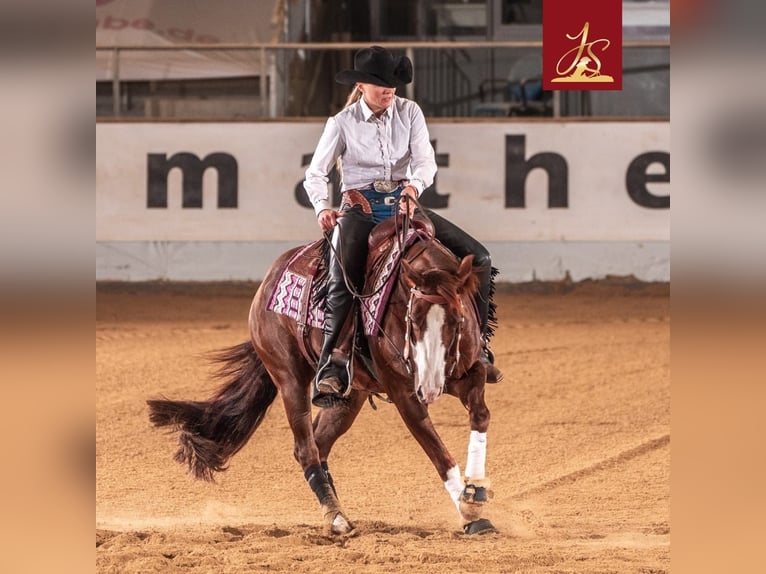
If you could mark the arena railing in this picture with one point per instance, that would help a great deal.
(456, 92)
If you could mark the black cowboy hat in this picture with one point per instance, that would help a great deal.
(375, 65)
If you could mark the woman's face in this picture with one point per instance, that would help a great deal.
(377, 98)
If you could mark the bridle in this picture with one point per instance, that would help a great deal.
(434, 299)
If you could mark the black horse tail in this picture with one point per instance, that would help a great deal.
(213, 431)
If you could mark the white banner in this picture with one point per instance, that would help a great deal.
(168, 22)
(595, 181)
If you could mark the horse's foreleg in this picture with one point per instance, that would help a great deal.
(415, 417)
(470, 391)
(476, 493)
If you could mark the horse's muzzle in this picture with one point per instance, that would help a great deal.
(428, 397)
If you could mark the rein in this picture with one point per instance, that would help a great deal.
(401, 237)
(400, 233)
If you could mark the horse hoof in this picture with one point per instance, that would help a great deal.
(480, 526)
(339, 525)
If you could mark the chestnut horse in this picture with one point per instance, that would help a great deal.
(428, 344)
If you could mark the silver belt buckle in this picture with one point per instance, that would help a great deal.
(384, 185)
(390, 200)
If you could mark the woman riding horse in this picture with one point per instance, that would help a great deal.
(428, 344)
(430, 341)
(385, 152)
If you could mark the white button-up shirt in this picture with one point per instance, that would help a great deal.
(396, 146)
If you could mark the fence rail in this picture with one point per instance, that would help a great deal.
(442, 84)
(358, 45)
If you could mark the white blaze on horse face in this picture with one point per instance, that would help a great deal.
(429, 354)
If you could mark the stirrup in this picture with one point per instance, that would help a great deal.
(331, 385)
(327, 401)
(487, 355)
(330, 390)
(494, 375)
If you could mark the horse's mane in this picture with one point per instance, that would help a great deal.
(445, 283)
(440, 278)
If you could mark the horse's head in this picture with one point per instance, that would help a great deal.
(436, 321)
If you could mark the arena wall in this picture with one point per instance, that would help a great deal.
(219, 201)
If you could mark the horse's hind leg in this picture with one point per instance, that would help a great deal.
(293, 375)
(298, 408)
(332, 423)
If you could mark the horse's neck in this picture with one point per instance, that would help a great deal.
(430, 254)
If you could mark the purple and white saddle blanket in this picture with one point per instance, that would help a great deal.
(297, 293)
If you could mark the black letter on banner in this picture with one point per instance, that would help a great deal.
(192, 169)
(636, 179)
(430, 197)
(517, 168)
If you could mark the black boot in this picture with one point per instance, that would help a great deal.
(331, 381)
(494, 375)
(331, 384)
(484, 274)
(462, 244)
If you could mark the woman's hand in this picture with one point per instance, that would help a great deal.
(404, 205)
(327, 219)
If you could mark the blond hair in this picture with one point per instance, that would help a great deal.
(354, 96)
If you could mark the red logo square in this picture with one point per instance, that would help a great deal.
(582, 44)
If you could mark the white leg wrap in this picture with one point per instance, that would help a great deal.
(477, 455)
(454, 485)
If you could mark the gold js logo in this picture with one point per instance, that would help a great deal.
(576, 66)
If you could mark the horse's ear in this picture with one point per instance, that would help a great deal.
(465, 269)
(411, 277)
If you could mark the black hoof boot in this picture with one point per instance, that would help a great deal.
(480, 526)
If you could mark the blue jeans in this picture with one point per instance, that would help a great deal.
(380, 210)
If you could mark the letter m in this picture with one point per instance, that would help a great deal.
(192, 169)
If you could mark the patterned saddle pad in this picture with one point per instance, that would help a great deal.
(297, 294)
(294, 293)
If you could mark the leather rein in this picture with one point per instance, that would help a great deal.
(415, 293)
